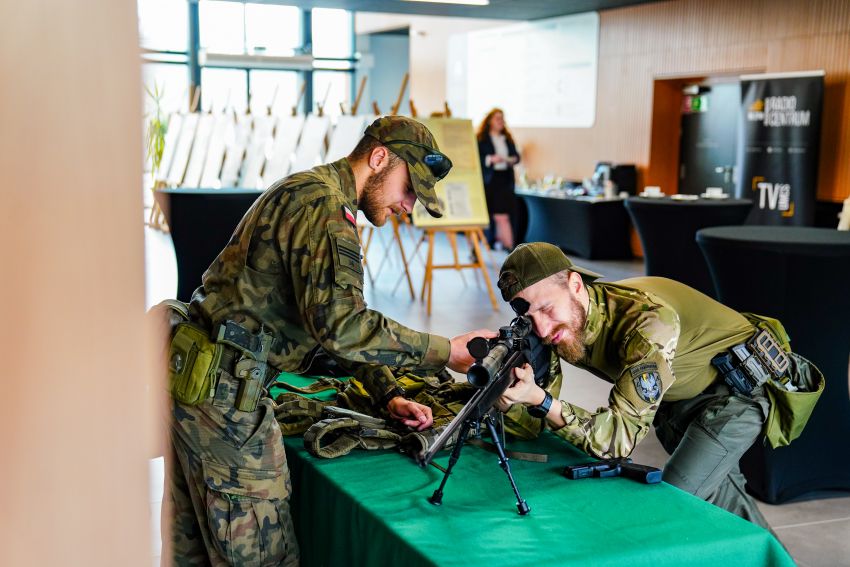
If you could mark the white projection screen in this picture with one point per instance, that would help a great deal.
(542, 73)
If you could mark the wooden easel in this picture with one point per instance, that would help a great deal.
(474, 235)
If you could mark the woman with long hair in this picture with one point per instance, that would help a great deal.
(498, 155)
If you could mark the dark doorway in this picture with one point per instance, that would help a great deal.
(707, 154)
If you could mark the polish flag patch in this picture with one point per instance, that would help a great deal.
(349, 216)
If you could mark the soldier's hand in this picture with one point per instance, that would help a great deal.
(524, 390)
(460, 360)
(410, 413)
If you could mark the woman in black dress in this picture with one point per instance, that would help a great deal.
(498, 155)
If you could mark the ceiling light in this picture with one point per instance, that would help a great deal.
(466, 2)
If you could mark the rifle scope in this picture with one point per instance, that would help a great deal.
(492, 354)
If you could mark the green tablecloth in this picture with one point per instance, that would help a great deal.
(371, 508)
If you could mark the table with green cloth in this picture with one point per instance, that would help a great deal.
(371, 508)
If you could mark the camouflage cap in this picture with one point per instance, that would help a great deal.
(532, 262)
(413, 142)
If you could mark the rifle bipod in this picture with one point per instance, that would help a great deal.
(437, 498)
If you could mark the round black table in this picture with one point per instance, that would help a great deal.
(588, 227)
(201, 222)
(667, 228)
(801, 276)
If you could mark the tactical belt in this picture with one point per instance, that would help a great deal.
(749, 365)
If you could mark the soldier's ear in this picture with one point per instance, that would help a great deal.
(378, 158)
(576, 282)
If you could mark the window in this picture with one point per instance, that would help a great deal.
(332, 33)
(273, 30)
(278, 89)
(163, 25)
(331, 88)
(223, 89)
(172, 81)
(222, 26)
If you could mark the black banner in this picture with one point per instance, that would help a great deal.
(779, 146)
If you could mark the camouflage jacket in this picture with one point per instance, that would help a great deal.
(652, 338)
(293, 266)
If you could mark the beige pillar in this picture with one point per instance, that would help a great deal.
(74, 381)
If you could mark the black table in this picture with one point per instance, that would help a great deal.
(667, 228)
(201, 222)
(801, 276)
(590, 228)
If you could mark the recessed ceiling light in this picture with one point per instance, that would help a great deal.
(467, 2)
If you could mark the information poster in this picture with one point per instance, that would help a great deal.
(779, 150)
(255, 155)
(181, 153)
(311, 148)
(461, 192)
(203, 135)
(287, 132)
(235, 150)
(215, 153)
(172, 135)
(346, 134)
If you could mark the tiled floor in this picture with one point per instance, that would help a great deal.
(816, 530)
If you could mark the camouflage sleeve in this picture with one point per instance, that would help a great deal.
(327, 275)
(616, 430)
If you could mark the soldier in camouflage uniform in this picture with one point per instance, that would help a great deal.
(653, 338)
(292, 269)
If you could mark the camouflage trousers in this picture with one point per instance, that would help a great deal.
(227, 485)
(706, 437)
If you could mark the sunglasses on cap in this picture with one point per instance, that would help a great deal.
(437, 162)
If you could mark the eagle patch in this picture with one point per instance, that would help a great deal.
(647, 382)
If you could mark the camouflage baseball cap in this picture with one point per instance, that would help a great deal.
(411, 141)
(532, 262)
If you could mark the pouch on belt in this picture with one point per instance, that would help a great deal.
(192, 364)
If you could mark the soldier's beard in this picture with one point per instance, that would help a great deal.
(571, 347)
(372, 196)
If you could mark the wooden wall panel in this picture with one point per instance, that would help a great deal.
(690, 38)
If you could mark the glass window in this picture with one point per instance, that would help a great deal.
(163, 24)
(332, 31)
(224, 88)
(275, 30)
(333, 88)
(278, 89)
(222, 26)
(172, 82)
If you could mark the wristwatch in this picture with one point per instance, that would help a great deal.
(542, 410)
(387, 398)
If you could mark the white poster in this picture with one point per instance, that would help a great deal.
(311, 148)
(346, 134)
(235, 150)
(222, 129)
(255, 156)
(199, 151)
(172, 135)
(286, 134)
(181, 153)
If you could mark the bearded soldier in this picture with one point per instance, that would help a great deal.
(286, 292)
(658, 342)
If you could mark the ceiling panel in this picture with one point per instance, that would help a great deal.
(498, 9)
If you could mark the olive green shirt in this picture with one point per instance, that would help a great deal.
(293, 266)
(653, 339)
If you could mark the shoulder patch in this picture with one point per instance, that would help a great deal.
(647, 381)
(349, 216)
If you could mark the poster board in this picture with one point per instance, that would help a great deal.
(203, 135)
(172, 135)
(235, 150)
(461, 192)
(286, 134)
(346, 134)
(311, 148)
(181, 152)
(222, 128)
(255, 155)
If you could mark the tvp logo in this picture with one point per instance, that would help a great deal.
(774, 196)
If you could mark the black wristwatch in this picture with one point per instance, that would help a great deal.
(397, 391)
(542, 410)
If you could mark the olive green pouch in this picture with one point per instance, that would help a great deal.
(192, 365)
(790, 411)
